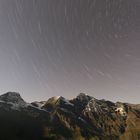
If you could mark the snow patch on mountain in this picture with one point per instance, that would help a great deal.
(121, 111)
(38, 104)
(67, 102)
(93, 105)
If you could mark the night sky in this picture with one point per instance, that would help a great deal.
(64, 47)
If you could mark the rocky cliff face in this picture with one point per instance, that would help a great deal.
(81, 118)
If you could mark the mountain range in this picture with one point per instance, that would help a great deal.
(81, 118)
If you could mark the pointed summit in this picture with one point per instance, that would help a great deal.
(83, 96)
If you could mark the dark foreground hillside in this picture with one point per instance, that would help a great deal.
(82, 118)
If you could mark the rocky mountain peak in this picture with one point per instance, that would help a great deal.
(13, 97)
(83, 96)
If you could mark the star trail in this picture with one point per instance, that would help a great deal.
(64, 47)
